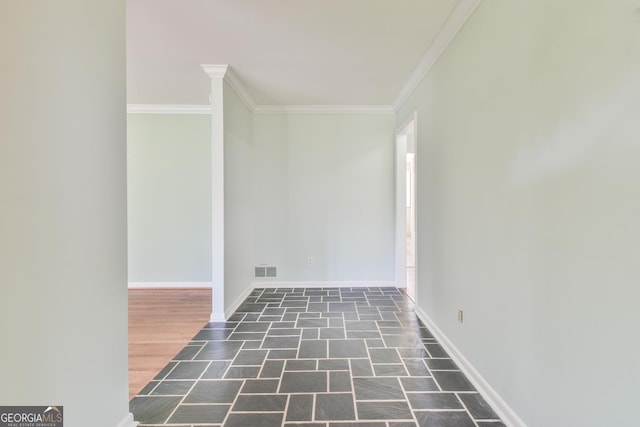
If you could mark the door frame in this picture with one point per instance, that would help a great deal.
(405, 142)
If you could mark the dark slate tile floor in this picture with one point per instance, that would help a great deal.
(330, 357)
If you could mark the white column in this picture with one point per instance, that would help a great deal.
(217, 73)
(63, 251)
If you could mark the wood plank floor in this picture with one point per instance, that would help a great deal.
(161, 323)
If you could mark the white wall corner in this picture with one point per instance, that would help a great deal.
(504, 411)
(128, 421)
(463, 10)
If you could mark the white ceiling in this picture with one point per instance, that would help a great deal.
(285, 52)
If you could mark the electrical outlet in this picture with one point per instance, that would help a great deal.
(310, 261)
(460, 316)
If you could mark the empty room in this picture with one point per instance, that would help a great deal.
(333, 213)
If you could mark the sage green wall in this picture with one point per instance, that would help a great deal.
(324, 188)
(169, 198)
(296, 185)
(300, 185)
(528, 205)
(63, 230)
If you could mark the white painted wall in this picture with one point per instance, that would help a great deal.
(169, 199)
(239, 210)
(528, 192)
(63, 250)
(324, 189)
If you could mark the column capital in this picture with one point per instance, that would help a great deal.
(216, 71)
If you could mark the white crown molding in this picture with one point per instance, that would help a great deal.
(504, 411)
(323, 109)
(463, 10)
(168, 109)
(260, 109)
(225, 72)
(234, 81)
(450, 29)
(215, 71)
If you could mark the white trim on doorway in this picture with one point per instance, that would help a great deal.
(406, 138)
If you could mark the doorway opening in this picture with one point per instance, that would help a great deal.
(406, 248)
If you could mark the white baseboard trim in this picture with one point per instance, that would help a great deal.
(217, 317)
(148, 285)
(238, 302)
(313, 284)
(128, 421)
(508, 416)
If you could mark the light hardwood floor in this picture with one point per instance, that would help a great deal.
(161, 322)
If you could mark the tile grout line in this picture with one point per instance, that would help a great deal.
(388, 306)
(187, 393)
(244, 381)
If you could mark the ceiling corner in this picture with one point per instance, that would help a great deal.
(463, 10)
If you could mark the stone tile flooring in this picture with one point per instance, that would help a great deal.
(330, 357)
